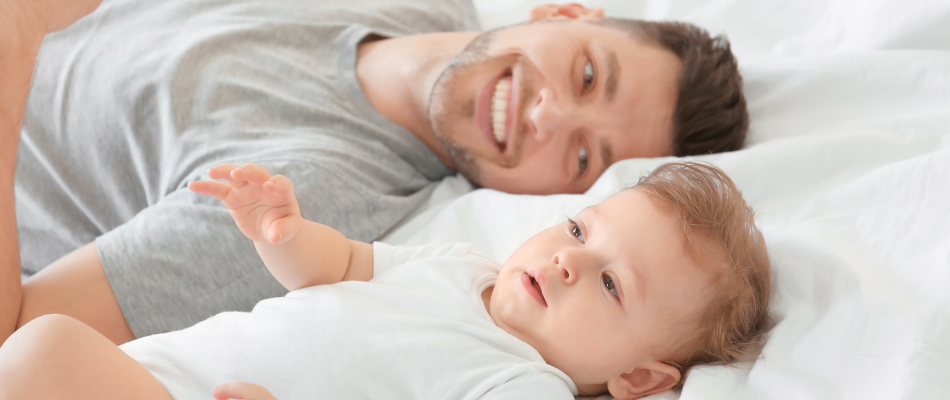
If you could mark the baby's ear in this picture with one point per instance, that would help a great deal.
(643, 381)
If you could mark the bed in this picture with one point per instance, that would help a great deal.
(848, 167)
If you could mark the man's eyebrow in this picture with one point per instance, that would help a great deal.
(613, 76)
(606, 153)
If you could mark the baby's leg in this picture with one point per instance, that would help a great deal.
(58, 357)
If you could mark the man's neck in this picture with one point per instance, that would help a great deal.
(397, 76)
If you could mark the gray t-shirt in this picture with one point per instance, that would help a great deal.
(142, 96)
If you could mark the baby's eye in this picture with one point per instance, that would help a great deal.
(609, 284)
(588, 75)
(576, 230)
(582, 160)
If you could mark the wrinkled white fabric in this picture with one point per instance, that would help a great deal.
(418, 330)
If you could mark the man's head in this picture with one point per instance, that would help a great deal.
(630, 293)
(546, 106)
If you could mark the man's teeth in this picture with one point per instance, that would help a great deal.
(499, 108)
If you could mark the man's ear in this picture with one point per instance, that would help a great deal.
(569, 11)
(644, 381)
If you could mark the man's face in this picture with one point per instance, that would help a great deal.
(604, 292)
(546, 107)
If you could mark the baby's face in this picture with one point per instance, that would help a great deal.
(603, 293)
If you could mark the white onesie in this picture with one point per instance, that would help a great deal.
(417, 330)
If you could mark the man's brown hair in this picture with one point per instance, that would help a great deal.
(710, 114)
(711, 210)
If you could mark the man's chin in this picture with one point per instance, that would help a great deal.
(465, 165)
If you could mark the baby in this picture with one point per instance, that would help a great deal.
(623, 298)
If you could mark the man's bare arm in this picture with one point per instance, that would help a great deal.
(23, 23)
(20, 40)
(76, 285)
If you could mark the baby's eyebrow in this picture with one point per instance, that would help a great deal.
(577, 215)
(632, 281)
(638, 284)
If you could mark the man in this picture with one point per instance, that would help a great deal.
(364, 103)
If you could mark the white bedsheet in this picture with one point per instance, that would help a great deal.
(848, 166)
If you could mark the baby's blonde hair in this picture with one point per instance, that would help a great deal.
(711, 210)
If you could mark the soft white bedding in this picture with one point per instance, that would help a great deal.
(848, 166)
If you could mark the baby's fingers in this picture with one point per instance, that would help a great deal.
(280, 187)
(221, 171)
(283, 228)
(252, 173)
(216, 189)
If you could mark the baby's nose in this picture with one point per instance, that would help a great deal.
(566, 271)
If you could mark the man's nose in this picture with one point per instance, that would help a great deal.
(551, 116)
(567, 264)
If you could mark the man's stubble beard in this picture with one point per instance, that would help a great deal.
(443, 119)
(441, 103)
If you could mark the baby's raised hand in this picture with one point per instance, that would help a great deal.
(241, 390)
(263, 206)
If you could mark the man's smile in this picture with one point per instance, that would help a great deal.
(497, 108)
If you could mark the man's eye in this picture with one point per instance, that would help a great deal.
(575, 230)
(582, 160)
(609, 284)
(588, 75)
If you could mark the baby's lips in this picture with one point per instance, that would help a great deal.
(539, 277)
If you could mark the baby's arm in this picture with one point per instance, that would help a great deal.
(299, 253)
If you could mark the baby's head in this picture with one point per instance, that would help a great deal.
(630, 293)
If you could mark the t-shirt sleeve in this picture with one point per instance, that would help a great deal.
(382, 257)
(180, 261)
(387, 256)
(535, 386)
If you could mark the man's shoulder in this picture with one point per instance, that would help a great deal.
(406, 17)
